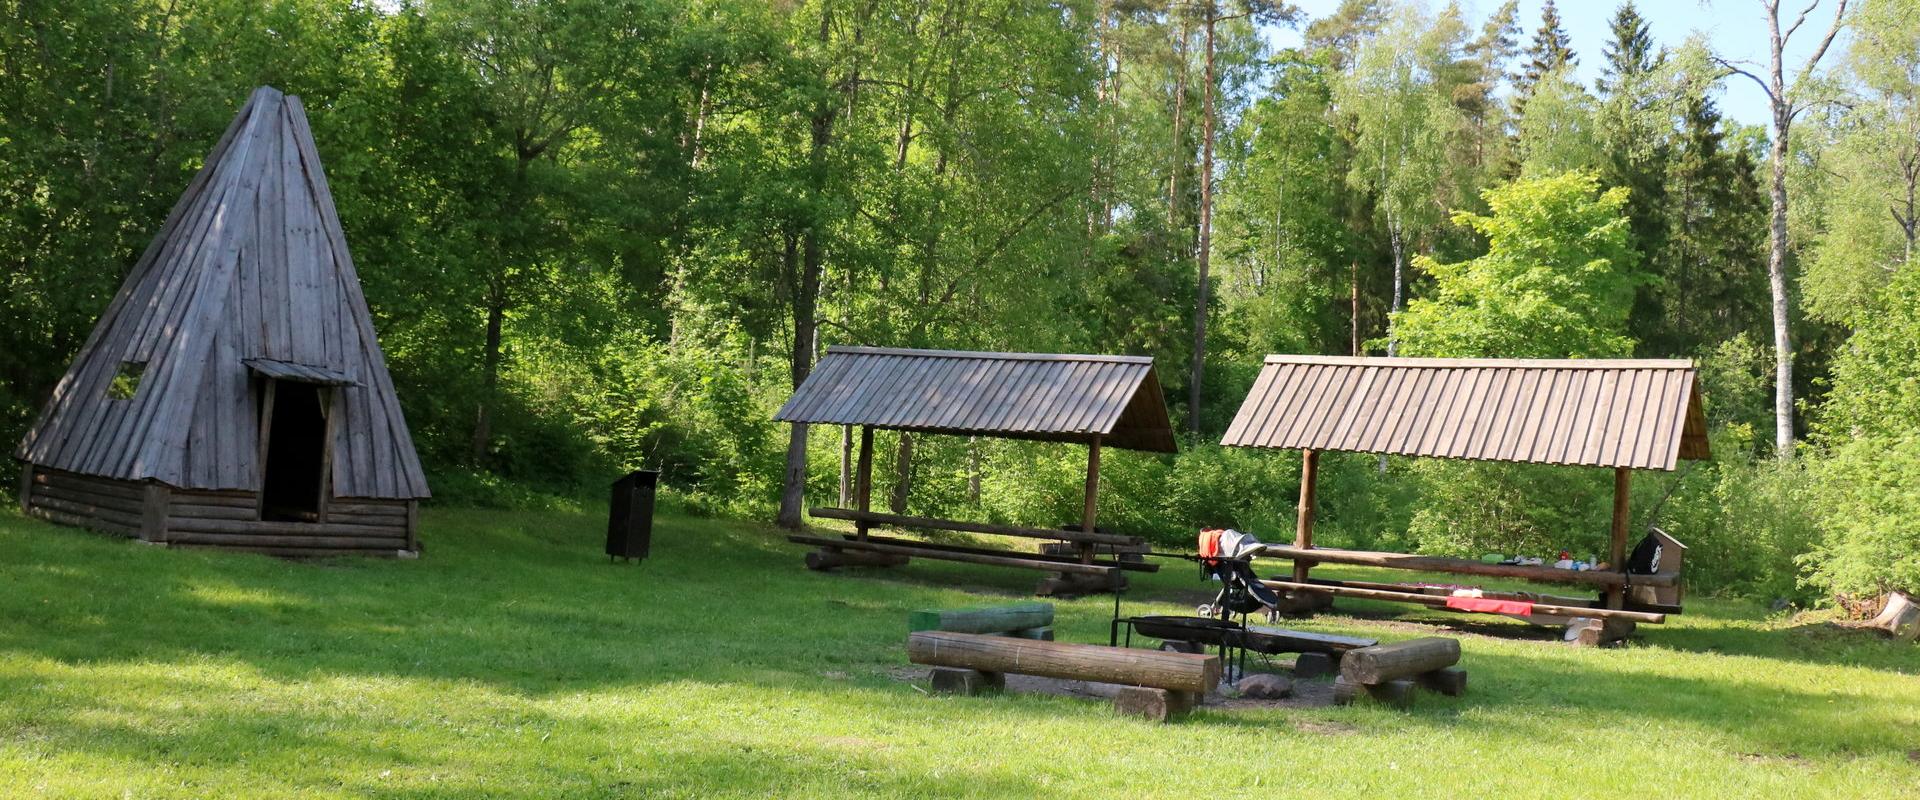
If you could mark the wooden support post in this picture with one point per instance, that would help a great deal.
(948, 680)
(1092, 498)
(846, 464)
(1154, 705)
(863, 482)
(1303, 529)
(1617, 552)
(413, 526)
(153, 512)
(26, 487)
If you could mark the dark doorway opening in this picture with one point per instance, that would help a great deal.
(296, 454)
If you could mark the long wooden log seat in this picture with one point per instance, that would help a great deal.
(1440, 601)
(1157, 685)
(1070, 573)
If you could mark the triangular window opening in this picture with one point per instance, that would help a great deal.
(126, 381)
(296, 452)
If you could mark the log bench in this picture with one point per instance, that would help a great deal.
(1389, 673)
(1020, 620)
(1156, 685)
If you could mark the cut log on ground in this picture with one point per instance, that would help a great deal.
(947, 680)
(1314, 665)
(982, 619)
(1451, 681)
(1386, 662)
(1900, 618)
(1396, 693)
(1157, 705)
(1119, 665)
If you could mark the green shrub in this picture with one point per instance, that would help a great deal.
(1869, 500)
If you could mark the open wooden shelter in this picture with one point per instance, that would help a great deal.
(1611, 413)
(1092, 400)
(233, 394)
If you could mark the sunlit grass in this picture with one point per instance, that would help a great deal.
(514, 660)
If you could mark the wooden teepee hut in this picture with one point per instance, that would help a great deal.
(233, 394)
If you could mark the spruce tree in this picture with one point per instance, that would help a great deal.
(1550, 50)
(1630, 53)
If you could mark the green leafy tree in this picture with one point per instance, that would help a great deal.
(1557, 279)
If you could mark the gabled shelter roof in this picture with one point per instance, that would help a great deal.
(249, 276)
(1043, 396)
(1642, 414)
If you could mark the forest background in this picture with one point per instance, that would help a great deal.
(599, 235)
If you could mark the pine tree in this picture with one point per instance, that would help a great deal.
(1551, 49)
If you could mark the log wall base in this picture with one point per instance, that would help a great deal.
(832, 559)
(1587, 632)
(949, 680)
(1070, 585)
(1315, 665)
(1157, 705)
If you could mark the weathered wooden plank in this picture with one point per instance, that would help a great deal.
(1461, 566)
(1119, 665)
(185, 536)
(1011, 560)
(302, 552)
(280, 528)
(368, 520)
(91, 523)
(128, 519)
(1058, 558)
(87, 483)
(78, 495)
(905, 521)
(371, 508)
(200, 511)
(205, 498)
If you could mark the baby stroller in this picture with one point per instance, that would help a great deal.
(1226, 556)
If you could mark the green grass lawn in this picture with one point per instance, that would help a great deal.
(513, 660)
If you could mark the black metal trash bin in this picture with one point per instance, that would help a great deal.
(630, 516)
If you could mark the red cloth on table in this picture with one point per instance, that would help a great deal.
(1490, 606)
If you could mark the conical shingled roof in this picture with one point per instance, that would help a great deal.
(250, 275)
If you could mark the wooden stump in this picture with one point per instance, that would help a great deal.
(948, 680)
(831, 559)
(1382, 663)
(1158, 705)
(1900, 618)
(1315, 665)
(1451, 681)
(1588, 632)
(1395, 693)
